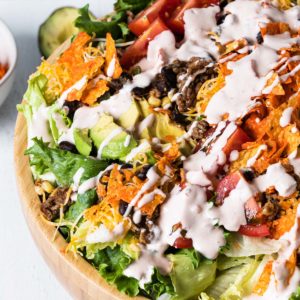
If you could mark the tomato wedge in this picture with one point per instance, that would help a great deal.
(138, 49)
(183, 243)
(160, 8)
(176, 22)
(260, 230)
(236, 140)
(226, 185)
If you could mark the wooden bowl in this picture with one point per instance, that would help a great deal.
(80, 278)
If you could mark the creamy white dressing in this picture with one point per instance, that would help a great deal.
(76, 179)
(294, 160)
(135, 151)
(77, 86)
(104, 235)
(251, 161)
(231, 214)
(286, 117)
(127, 141)
(146, 123)
(153, 178)
(236, 99)
(108, 139)
(111, 67)
(39, 126)
(93, 181)
(234, 155)
(277, 177)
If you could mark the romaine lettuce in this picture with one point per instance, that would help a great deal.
(111, 262)
(34, 96)
(191, 274)
(241, 246)
(63, 164)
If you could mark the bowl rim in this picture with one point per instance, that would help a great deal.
(12, 66)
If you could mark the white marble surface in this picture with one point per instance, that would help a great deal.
(23, 273)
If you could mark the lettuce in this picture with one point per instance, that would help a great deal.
(34, 96)
(111, 262)
(240, 246)
(83, 202)
(295, 295)
(159, 285)
(191, 274)
(116, 23)
(243, 279)
(63, 164)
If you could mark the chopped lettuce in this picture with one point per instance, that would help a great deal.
(63, 164)
(115, 23)
(83, 202)
(34, 96)
(245, 278)
(240, 246)
(295, 295)
(191, 274)
(111, 262)
(160, 285)
(58, 120)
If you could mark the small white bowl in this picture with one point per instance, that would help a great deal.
(8, 54)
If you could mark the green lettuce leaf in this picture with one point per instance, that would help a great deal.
(159, 285)
(191, 275)
(84, 201)
(295, 295)
(111, 262)
(34, 96)
(115, 23)
(240, 281)
(240, 246)
(63, 164)
(100, 28)
(134, 6)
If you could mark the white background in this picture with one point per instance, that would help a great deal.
(23, 273)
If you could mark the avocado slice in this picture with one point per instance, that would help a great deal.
(115, 142)
(56, 29)
(129, 119)
(82, 141)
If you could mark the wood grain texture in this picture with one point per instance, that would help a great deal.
(75, 274)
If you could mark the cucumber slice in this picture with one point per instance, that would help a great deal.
(56, 29)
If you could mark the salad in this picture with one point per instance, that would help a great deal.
(164, 146)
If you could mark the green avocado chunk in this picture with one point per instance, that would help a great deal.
(82, 141)
(111, 140)
(129, 118)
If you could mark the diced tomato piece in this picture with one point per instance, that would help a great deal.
(235, 141)
(260, 230)
(138, 49)
(226, 185)
(252, 208)
(176, 22)
(183, 243)
(160, 8)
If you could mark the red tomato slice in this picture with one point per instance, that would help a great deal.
(255, 230)
(236, 140)
(138, 49)
(176, 22)
(226, 185)
(252, 208)
(183, 243)
(161, 8)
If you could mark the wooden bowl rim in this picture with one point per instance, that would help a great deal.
(43, 233)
